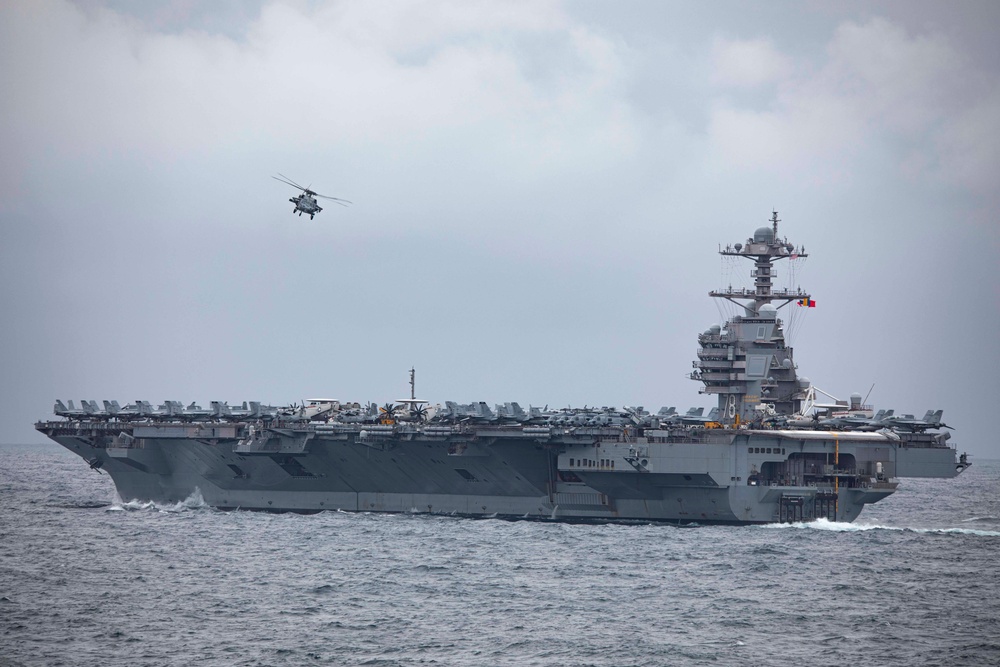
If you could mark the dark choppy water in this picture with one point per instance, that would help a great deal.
(86, 580)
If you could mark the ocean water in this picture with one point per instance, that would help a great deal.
(86, 579)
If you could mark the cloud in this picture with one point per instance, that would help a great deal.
(463, 95)
(747, 63)
(900, 82)
(354, 72)
(876, 89)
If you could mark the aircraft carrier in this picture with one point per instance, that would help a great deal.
(767, 452)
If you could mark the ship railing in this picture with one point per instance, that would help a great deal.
(751, 292)
(697, 437)
(84, 426)
(717, 338)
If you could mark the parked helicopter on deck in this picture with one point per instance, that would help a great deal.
(306, 202)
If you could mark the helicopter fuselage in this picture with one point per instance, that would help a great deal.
(305, 204)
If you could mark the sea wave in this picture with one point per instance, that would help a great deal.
(193, 502)
(840, 527)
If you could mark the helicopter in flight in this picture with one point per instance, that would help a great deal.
(306, 202)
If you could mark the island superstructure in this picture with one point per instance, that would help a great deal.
(768, 452)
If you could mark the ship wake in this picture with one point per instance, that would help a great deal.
(193, 502)
(839, 527)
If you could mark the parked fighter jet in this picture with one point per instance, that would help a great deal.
(172, 409)
(612, 417)
(195, 412)
(852, 422)
(145, 409)
(697, 420)
(693, 417)
(474, 411)
(130, 411)
(931, 420)
(70, 412)
(511, 412)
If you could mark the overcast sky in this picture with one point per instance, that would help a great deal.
(540, 190)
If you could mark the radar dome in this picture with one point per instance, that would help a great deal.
(786, 364)
(804, 382)
(738, 246)
(763, 235)
(767, 312)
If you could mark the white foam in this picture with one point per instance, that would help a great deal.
(192, 502)
(840, 527)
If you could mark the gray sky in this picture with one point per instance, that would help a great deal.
(540, 192)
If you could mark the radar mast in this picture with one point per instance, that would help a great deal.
(746, 361)
(764, 248)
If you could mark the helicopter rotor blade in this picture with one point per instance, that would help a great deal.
(342, 202)
(285, 179)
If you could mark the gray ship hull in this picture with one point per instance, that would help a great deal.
(678, 476)
(766, 453)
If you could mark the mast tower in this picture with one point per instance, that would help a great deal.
(746, 362)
